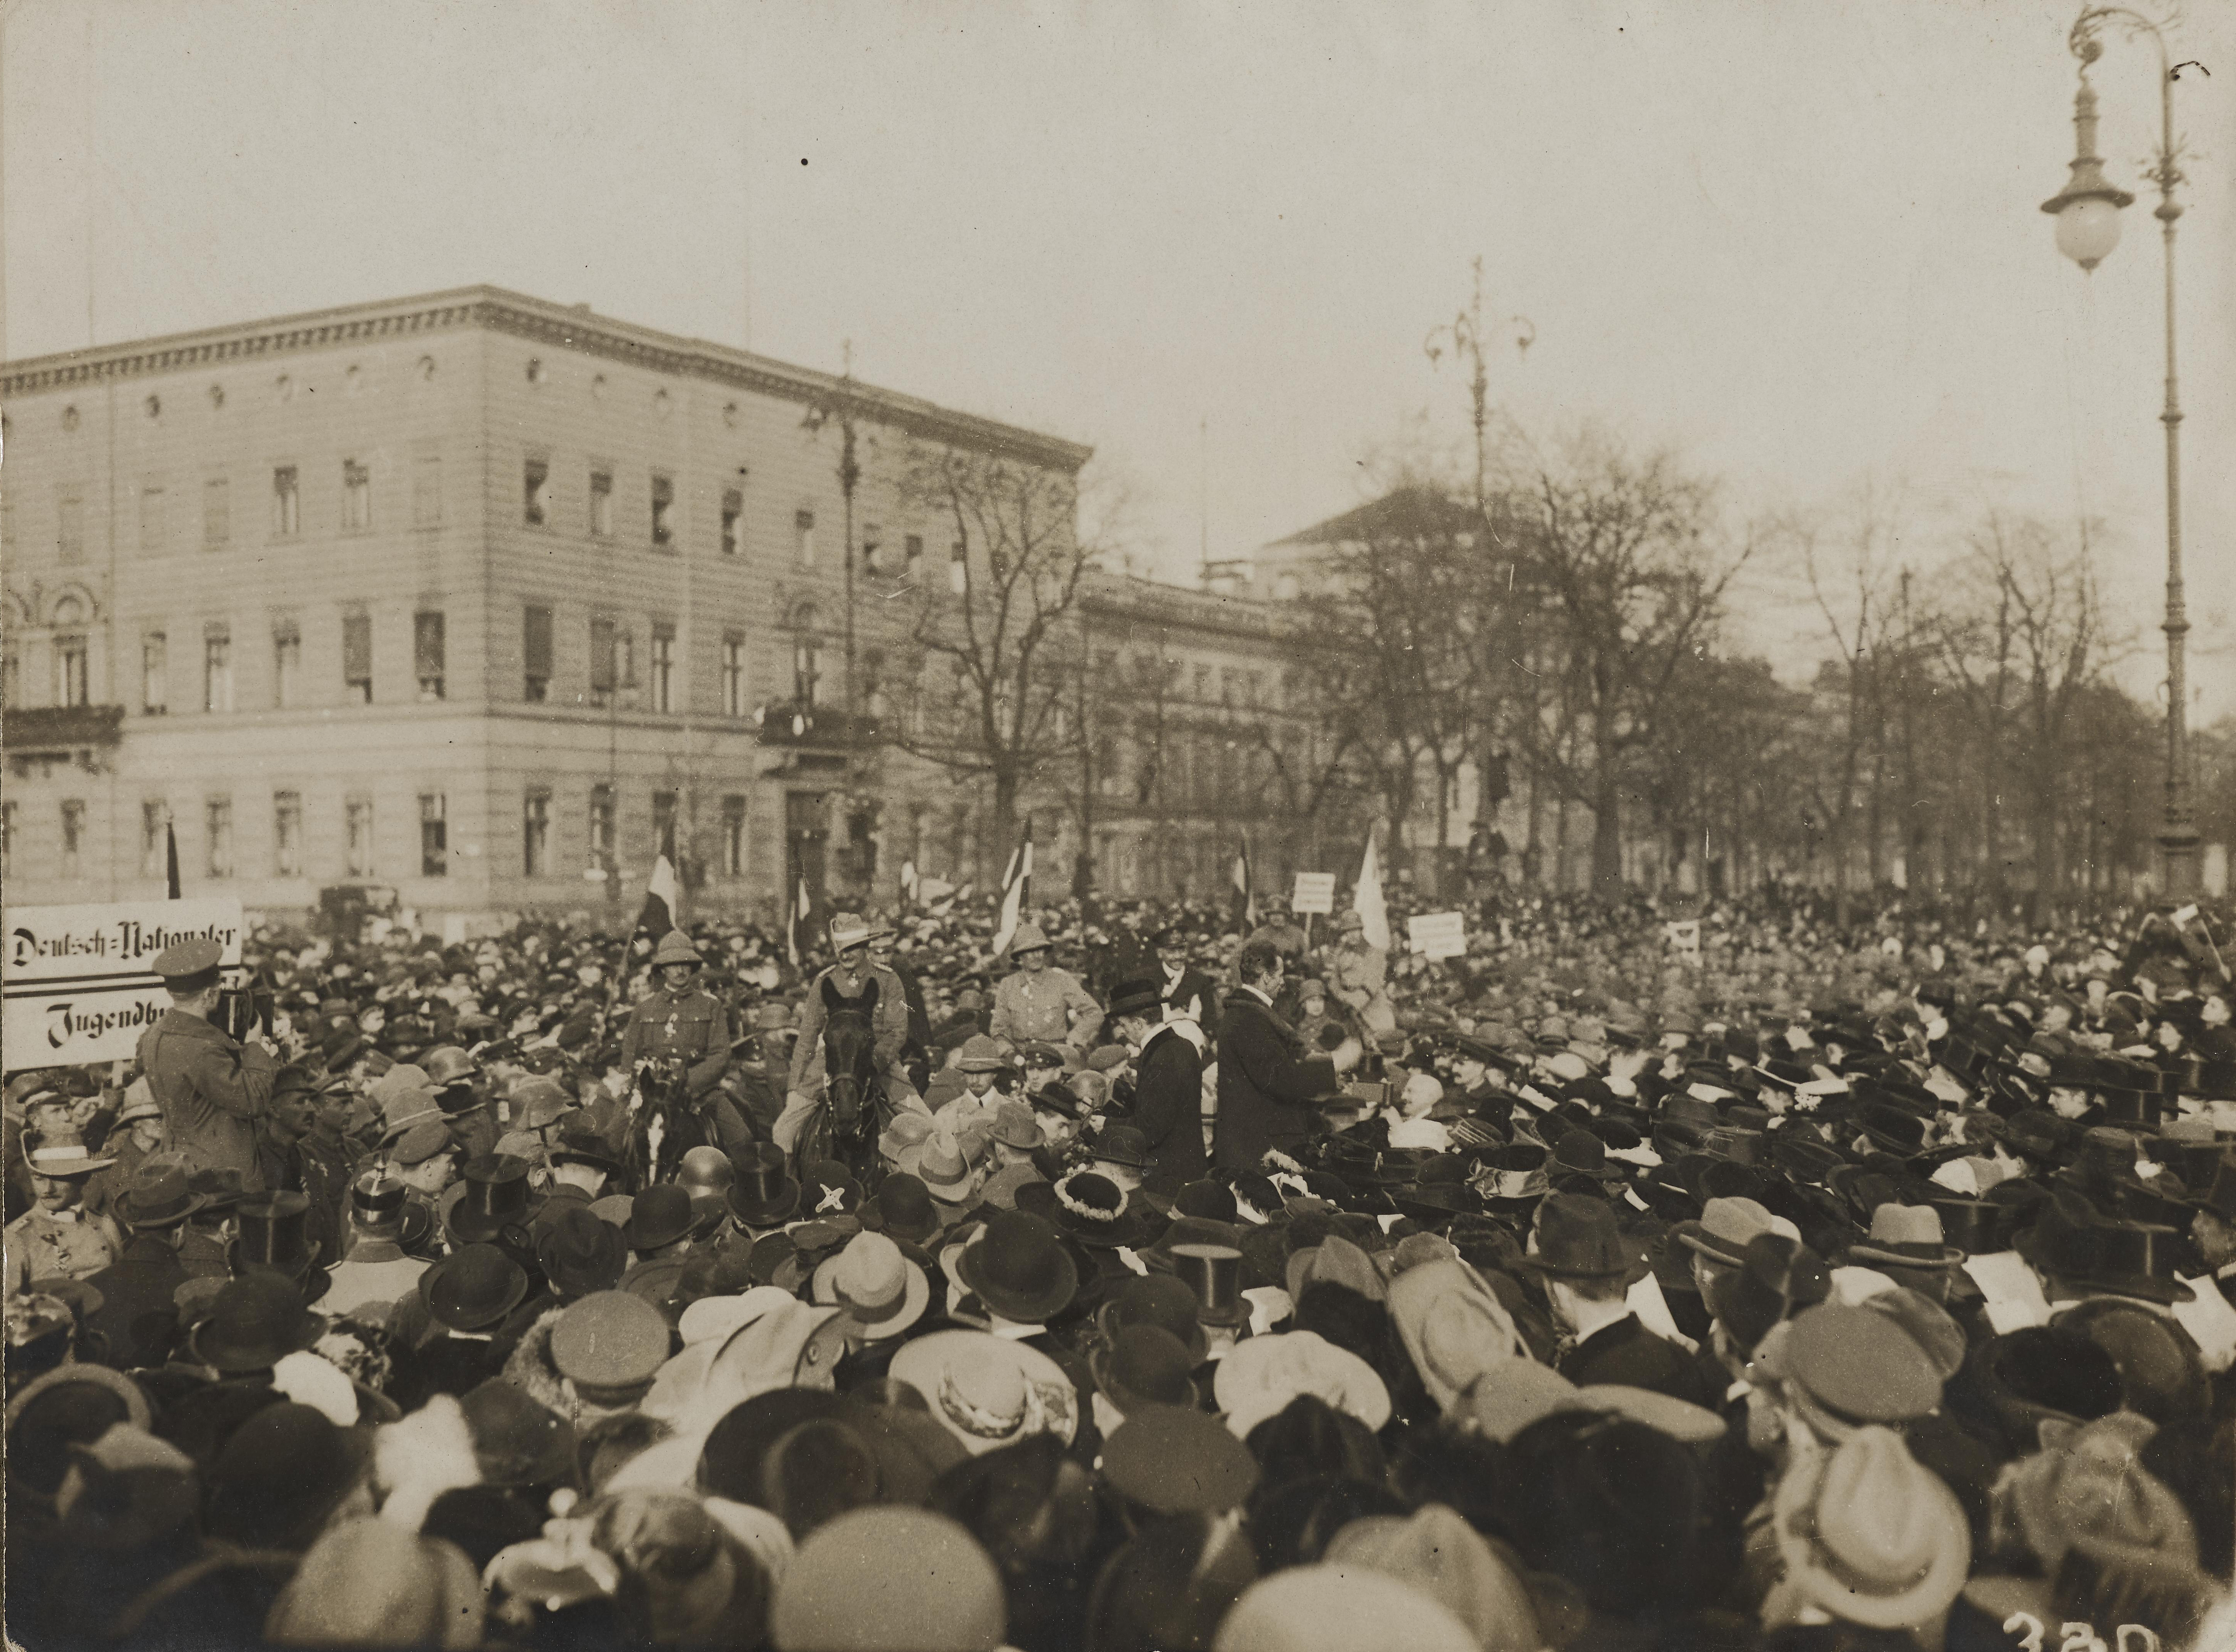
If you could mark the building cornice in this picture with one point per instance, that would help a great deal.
(521, 316)
(1128, 597)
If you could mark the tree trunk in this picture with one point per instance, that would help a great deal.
(1606, 836)
(1005, 819)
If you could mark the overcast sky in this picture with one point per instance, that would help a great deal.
(1799, 241)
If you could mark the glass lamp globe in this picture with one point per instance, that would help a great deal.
(2088, 229)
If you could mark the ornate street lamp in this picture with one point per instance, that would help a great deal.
(2088, 213)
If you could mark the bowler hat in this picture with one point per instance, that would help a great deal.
(1019, 1268)
(660, 1215)
(901, 1206)
(473, 1287)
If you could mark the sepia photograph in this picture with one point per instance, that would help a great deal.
(1012, 826)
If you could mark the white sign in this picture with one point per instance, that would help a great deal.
(1685, 939)
(81, 983)
(1315, 892)
(1436, 935)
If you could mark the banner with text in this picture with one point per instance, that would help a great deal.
(1436, 935)
(80, 981)
(1315, 892)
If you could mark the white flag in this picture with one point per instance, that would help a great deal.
(1016, 884)
(1367, 899)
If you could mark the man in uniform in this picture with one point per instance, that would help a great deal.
(678, 1022)
(57, 1237)
(1040, 1004)
(211, 1090)
(851, 976)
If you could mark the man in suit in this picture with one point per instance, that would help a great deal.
(1167, 1085)
(1188, 991)
(1579, 1254)
(1267, 1082)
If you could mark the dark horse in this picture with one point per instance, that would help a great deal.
(664, 1124)
(845, 1126)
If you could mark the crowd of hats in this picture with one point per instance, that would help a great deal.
(1932, 1225)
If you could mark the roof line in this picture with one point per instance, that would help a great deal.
(526, 316)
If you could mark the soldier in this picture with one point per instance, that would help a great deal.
(1040, 1004)
(57, 1237)
(855, 976)
(211, 1090)
(679, 1023)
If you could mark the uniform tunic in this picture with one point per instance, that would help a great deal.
(44, 1244)
(688, 1026)
(888, 1023)
(1047, 1006)
(212, 1091)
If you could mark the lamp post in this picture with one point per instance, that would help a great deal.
(2088, 213)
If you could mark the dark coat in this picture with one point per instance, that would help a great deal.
(212, 1091)
(1168, 1110)
(138, 1316)
(1192, 983)
(1627, 1352)
(1267, 1084)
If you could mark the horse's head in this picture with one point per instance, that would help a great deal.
(850, 1063)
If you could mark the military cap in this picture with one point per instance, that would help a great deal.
(187, 966)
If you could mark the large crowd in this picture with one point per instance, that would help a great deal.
(1795, 1276)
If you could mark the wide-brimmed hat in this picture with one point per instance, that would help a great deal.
(1093, 1209)
(161, 1193)
(1452, 1325)
(1260, 1376)
(1173, 1460)
(473, 1287)
(257, 1320)
(763, 1193)
(1018, 1266)
(1513, 1176)
(1906, 1236)
(848, 930)
(989, 1391)
(883, 1292)
(1870, 1536)
(60, 1156)
(675, 948)
(1015, 1126)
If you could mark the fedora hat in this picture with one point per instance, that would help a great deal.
(257, 1320)
(493, 1190)
(161, 1193)
(1155, 1299)
(987, 1391)
(1577, 1239)
(1122, 1144)
(763, 1193)
(903, 1207)
(584, 1147)
(1513, 1176)
(1906, 1236)
(1019, 1266)
(580, 1254)
(883, 1292)
(1870, 1536)
(473, 1287)
(1724, 1228)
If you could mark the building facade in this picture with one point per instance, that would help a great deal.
(482, 600)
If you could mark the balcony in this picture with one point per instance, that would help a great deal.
(811, 728)
(41, 738)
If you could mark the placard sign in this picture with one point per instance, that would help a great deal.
(1315, 892)
(81, 985)
(1685, 939)
(1436, 935)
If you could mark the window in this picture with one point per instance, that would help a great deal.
(287, 834)
(155, 816)
(217, 669)
(219, 816)
(536, 491)
(217, 512)
(803, 528)
(434, 835)
(535, 652)
(152, 522)
(734, 836)
(733, 515)
(663, 511)
(286, 664)
(73, 837)
(356, 659)
(663, 824)
(427, 490)
(613, 661)
(662, 664)
(427, 654)
(359, 815)
(357, 497)
(535, 832)
(155, 675)
(286, 503)
(806, 665)
(72, 686)
(601, 503)
(733, 675)
(69, 524)
(602, 825)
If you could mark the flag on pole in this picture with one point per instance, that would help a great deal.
(170, 861)
(803, 907)
(1017, 891)
(908, 882)
(1245, 897)
(1366, 899)
(659, 914)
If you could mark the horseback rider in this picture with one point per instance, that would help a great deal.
(856, 975)
(678, 1022)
